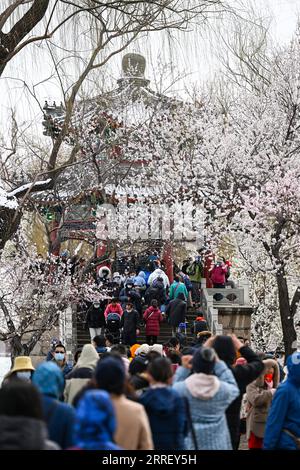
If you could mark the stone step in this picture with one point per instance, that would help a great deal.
(83, 336)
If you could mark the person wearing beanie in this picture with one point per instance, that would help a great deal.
(81, 373)
(133, 430)
(59, 417)
(283, 424)
(228, 348)
(209, 390)
(95, 422)
(199, 325)
(165, 408)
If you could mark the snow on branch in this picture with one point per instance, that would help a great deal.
(35, 186)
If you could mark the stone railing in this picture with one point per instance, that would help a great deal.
(214, 299)
(210, 313)
(227, 296)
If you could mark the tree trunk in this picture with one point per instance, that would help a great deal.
(9, 223)
(9, 41)
(287, 319)
(17, 348)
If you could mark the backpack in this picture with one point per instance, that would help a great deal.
(188, 283)
(191, 270)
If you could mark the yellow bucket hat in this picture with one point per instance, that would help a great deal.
(22, 363)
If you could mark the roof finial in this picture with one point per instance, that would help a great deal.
(134, 65)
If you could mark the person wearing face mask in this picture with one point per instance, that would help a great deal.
(259, 397)
(131, 324)
(95, 320)
(22, 370)
(60, 358)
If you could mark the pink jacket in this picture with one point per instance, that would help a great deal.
(218, 274)
(113, 309)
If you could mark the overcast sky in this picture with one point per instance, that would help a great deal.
(192, 55)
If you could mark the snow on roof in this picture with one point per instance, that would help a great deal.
(7, 200)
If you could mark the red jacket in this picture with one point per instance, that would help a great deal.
(153, 318)
(113, 309)
(218, 274)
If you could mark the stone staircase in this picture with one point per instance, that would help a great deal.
(83, 336)
(225, 310)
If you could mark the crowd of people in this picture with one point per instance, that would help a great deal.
(144, 296)
(162, 397)
(118, 394)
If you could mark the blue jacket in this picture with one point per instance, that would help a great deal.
(166, 411)
(59, 417)
(208, 396)
(285, 410)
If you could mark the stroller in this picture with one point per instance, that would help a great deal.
(113, 326)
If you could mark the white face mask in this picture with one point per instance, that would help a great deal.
(24, 374)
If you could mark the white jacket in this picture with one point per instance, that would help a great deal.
(159, 273)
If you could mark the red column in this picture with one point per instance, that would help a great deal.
(101, 250)
(55, 244)
(168, 260)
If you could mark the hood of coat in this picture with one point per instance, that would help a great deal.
(202, 386)
(95, 419)
(268, 363)
(293, 366)
(160, 400)
(22, 433)
(88, 358)
(49, 379)
(142, 275)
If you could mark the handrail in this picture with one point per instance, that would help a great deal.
(212, 298)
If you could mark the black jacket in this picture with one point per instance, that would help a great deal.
(80, 373)
(130, 321)
(23, 433)
(157, 292)
(95, 317)
(244, 375)
(139, 382)
(199, 326)
(176, 312)
(131, 295)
